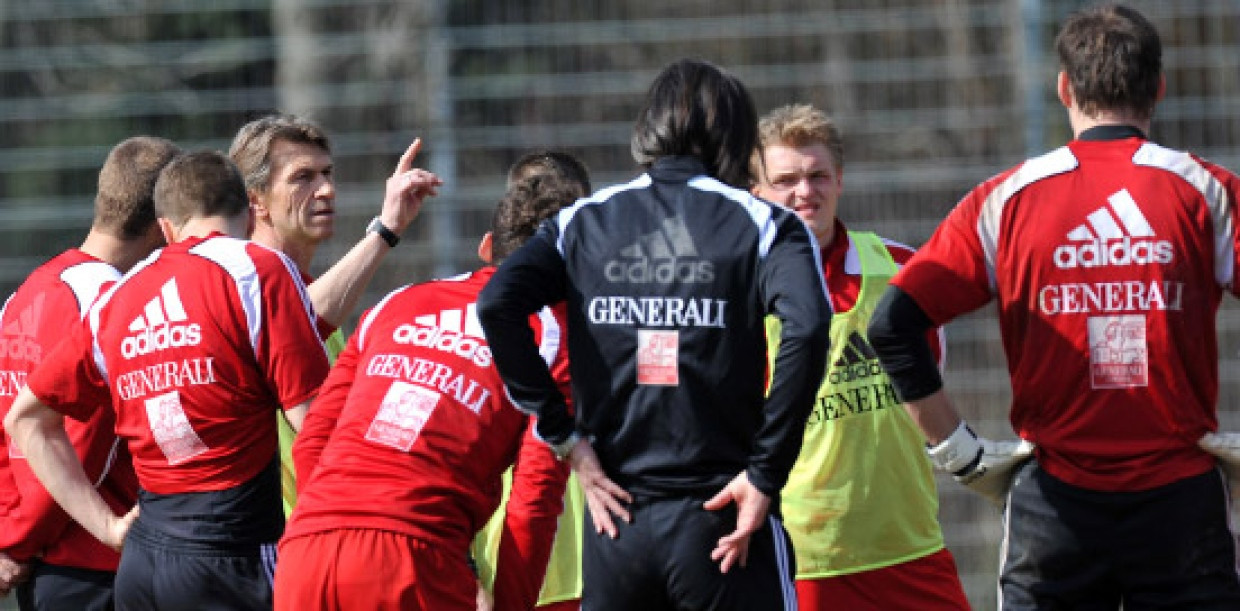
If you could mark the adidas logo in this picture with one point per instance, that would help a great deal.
(858, 361)
(154, 329)
(663, 256)
(452, 331)
(18, 340)
(1115, 235)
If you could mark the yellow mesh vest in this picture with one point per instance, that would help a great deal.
(288, 476)
(563, 580)
(862, 494)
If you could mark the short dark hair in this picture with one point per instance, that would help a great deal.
(1113, 59)
(251, 147)
(198, 185)
(695, 108)
(124, 200)
(550, 163)
(525, 205)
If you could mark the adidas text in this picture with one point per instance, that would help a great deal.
(1118, 252)
(662, 271)
(161, 338)
(21, 348)
(451, 342)
(855, 371)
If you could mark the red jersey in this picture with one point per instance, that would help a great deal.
(33, 322)
(324, 328)
(532, 513)
(841, 268)
(198, 345)
(1108, 259)
(413, 427)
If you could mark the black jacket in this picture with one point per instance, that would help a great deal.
(668, 279)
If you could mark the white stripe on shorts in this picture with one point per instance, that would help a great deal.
(268, 551)
(782, 560)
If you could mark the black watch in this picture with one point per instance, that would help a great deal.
(388, 235)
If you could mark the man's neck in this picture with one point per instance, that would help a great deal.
(121, 254)
(1081, 122)
(201, 227)
(824, 243)
(301, 254)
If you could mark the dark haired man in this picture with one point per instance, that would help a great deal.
(402, 455)
(1108, 258)
(558, 164)
(667, 280)
(71, 569)
(546, 179)
(194, 349)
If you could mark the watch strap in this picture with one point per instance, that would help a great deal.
(389, 236)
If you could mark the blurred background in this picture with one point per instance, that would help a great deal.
(933, 96)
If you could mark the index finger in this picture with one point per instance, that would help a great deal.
(406, 161)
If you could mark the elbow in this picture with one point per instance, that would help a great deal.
(17, 412)
(896, 323)
(25, 416)
(882, 333)
(818, 332)
(10, 420)
(496, 311)
(490, 306)
(897, 333)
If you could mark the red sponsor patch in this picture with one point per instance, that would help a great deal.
(658, 355)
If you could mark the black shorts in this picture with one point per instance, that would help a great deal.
(155, 577)
(661, 561)
(56, 588)
(1071, 548)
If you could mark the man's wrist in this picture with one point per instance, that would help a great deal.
(761, 483)
(960, 453)
(564, 448)
(377, 226)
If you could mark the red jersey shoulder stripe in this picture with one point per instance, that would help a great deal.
(1215, 194)
(1007, 185)
(87, 280)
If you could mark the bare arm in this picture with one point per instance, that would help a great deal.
(935, 415)
(337, 291)
(39, 432)
(296, 415)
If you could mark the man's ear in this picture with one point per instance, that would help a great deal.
(166, 227)
(257, 205)
(484, 248)
(1064, 87)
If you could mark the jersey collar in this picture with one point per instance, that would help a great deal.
(677, 168)
(1111, 132)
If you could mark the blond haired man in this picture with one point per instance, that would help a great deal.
(861, 503)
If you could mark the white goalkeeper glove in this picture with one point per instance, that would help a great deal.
(984, 466)
(1226, 447)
